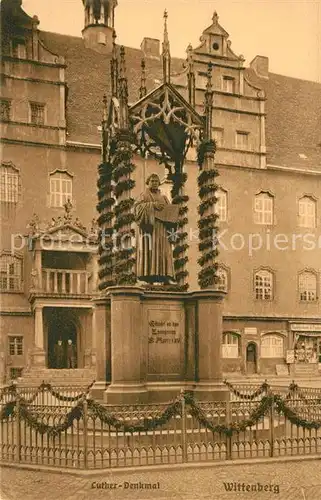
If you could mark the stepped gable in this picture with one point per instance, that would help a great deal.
(88, 79)
(293, 107)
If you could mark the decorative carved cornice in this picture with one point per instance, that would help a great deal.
(36, 227)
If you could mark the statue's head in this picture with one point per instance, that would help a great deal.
(59, 342)
(153, 182)
(69, 341)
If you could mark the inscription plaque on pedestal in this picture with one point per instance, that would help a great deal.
(165, 341)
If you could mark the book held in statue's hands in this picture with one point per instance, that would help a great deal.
(169, 214)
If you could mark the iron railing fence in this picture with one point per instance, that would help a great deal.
(95, 442)
(44, 395)
(239, 392)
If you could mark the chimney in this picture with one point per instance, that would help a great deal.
(151, 48)
(260, 65)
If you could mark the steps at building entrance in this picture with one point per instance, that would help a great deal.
(57, 378)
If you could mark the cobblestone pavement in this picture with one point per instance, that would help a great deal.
(264, 481)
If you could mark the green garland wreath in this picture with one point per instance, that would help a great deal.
(96, 410)
(207, 276)
(260, 390)
(106, 215)
(180, 235)
(123, 166)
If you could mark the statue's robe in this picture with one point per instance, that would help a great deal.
(154, 250)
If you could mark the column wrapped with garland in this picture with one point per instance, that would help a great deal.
(123, 167)
(180, 237)
(106, 214)
(207, 276)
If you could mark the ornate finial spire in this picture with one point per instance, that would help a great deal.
(143, 89)
(208, 103)
(122, 64)
(123, 90)
(190, 75)
(215, 18)
(105, 111)
(104, 130)
(166, 52)
(114, 68)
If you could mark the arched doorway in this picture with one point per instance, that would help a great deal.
(61, 326)
(251, 358)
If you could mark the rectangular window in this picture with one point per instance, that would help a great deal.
(263, 209)
(15, 373)
(307, 212)
(221, 205)
(272, 347)
(16, 345)
(228, 84)
(242, 140)
(10, 274)
(230, 346)
(5, 110)
(263, 285)
(60, 189)
(37, 113)
(9, 185)
(19, 49)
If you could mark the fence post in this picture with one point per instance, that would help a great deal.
(228, 437)
(85, 434)
(272, 425)
(184, 433)
(18, 428)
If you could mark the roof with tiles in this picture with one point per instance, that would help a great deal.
(88, 79)
(293, 124)
(293, 121)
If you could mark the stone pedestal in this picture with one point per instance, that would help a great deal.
(209, 325)
(38, 357)
(128, 384)
(101, 346)
(38, 354)
(152, 344)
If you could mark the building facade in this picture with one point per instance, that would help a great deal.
(267, 129)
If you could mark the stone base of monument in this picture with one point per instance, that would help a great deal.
(165, 392)
(123, 394)
(98, 389)
(161, 342)
(211, 391)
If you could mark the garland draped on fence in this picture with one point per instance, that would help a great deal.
(263, 388)
(293, 389)
(96, 410)
(12, 389)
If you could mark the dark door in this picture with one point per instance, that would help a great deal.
(251, 358)
(60, 328)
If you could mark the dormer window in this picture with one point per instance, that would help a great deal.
(228, 84)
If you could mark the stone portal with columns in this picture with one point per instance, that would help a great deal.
(156, 337)
(63, 282)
